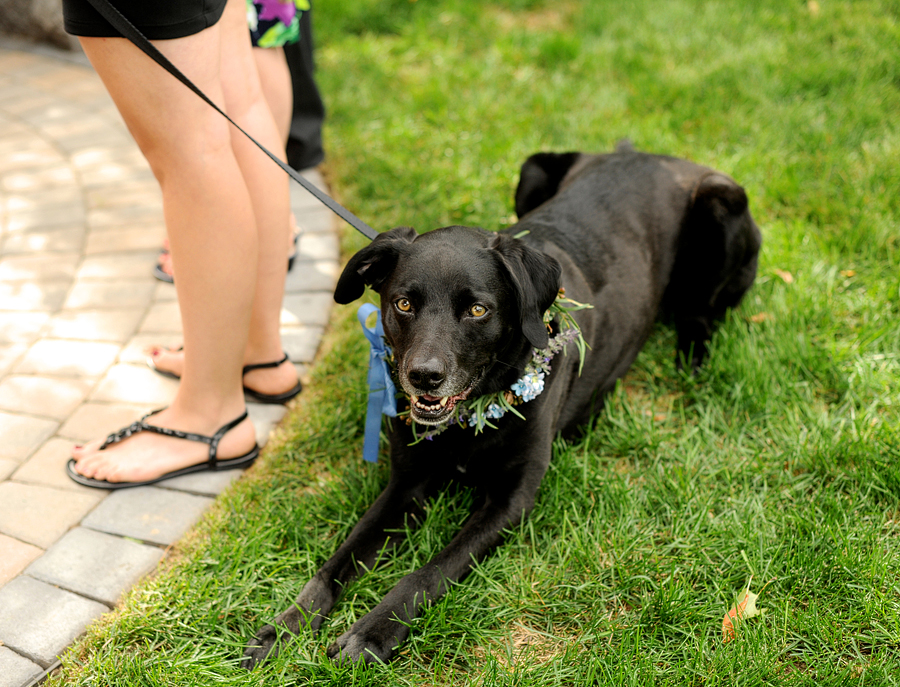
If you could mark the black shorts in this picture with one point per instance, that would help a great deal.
(156, 19)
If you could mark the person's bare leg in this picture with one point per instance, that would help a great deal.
(269, 193)
(245, 94)
(275, 78)
(211, 226)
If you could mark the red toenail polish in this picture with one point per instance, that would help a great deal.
(78, 446)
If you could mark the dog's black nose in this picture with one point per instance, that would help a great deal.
(427, 375)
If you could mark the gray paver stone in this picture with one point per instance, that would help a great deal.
(135, 384)
(40, 515)
(121, 294)
(318, 220)
(312, 275)
(159, 516)
(9, 354)
(14, 557)
(164, 292)
(162, 317)
(22, 435)
(205, 483)
(53, 397)
(45, 217)
(48, 177)
(15, 670)
(301, 199)
(107, 218)
(39, 621)
(41, 199)
(96, 325)
(35, 268)
(97, 565)
(21, 327)
(47, 467)
(322, 245)
(264, 417)
(26, 296)
(7, 467)
(66, 358)
(306, 309)
(57, 239)
(122, 195)
(133, 238)
(301, 343)
(117, 266)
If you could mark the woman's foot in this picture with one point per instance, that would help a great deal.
(147, 456)
(268, 381)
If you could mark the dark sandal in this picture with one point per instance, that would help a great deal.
(213, 464)
(248, 392)
(158, 270)
(292, 258)
(269, 398)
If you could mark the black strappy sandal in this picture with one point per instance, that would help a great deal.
(270, 398)
(248, 392)
(213, 464)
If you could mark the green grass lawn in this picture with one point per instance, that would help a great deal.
(780, 460)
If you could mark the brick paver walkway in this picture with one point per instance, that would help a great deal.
(80, 226)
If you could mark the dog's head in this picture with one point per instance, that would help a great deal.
(461, 308)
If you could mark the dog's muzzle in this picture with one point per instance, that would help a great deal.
(434, 410)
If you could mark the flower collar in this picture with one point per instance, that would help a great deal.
(478, 413)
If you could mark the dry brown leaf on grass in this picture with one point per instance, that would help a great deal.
(745, 608)
(760, 317)
(786, 276)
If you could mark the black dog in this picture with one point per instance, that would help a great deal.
(633, 234)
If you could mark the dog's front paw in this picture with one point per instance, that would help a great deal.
(368, 641)
(308, 611)
(263, 646)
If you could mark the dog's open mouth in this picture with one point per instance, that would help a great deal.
(434, 410)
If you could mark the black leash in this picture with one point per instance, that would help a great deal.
(129, 31)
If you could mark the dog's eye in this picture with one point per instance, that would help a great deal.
(403, 304)
(477, 310)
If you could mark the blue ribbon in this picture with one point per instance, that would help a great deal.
(382, 392)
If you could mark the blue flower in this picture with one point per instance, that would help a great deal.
(529, 387)
(494, 412)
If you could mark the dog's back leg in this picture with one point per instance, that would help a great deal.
(714, 266)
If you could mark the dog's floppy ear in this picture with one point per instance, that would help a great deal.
(540, 178)
(534, 277)
(372, 264)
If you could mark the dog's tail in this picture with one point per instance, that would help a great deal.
(625, 146)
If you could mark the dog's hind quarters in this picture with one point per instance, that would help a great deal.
(714, 267)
